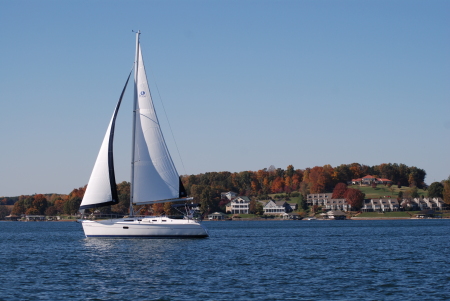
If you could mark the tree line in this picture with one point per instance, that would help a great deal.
(207, 188)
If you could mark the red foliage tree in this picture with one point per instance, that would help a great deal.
(32, 211)
(158, 208)
(40, 203)
(354, 197)
(339, 191)
(277, 185)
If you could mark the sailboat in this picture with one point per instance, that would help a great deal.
(154, 178)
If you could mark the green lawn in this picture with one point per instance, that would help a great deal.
(388, 214)
(382, 191)
(244, 215)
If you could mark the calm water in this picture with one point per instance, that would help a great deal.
(267, 260)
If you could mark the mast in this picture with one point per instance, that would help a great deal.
(134, 122)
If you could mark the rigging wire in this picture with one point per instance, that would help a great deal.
(168, 122)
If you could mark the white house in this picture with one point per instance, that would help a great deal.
(318, 198)
(337, 204)
(277, 207)
(240, 205)
(380, 205)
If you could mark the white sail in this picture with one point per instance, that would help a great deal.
(98, 191)
(101, 189)
(155, 178)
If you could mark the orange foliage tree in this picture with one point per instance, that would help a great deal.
(339, 191)
(355, 198)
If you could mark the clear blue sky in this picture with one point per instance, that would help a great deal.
(245, 84)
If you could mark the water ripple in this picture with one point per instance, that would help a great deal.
(270, 260)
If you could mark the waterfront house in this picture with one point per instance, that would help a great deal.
(408, 204)
(292, 216)
(367, 206)
(277, 207)
(433, 203)
(12, 217)
(34, 218)
(294, 206)
(428, 214)
(380, 205)
(336, 204)
(421, 203)
(336, 214)
(240, 205)
(217, 216)
(317, 198)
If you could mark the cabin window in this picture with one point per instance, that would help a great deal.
(154, 220)
(164, 220)
(125, 227)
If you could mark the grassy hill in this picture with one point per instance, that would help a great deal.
(382, 191)
(378, 192)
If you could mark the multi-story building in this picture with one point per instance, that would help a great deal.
(318, 198)
(240, 205)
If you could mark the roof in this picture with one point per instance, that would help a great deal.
(319, 195)
(244, 198)
(335, 212)
(280, 203)
(368, 177)
(217, 214)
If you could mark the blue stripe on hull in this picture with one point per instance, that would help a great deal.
(147, 236)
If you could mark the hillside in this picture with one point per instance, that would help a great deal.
(382, 191)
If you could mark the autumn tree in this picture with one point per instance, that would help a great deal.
(252, 206)
(72, 205)
(435, 190)
(304, 189)
(168, 208)
(50, 211)
(123, 192)
(446, 191)
(158, 208)
(32, 211)
(4, 212)
(277, 185)
(40, 203)
(302, 202)
(339, 191)
(59, 205)
(414, 192)
(259, 209)
(354, 197)
(19, 208)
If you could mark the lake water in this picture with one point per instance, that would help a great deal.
(242, 260)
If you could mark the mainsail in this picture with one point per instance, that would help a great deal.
(154, 176)
(101, 189)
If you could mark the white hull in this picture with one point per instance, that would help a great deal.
(144, 227)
